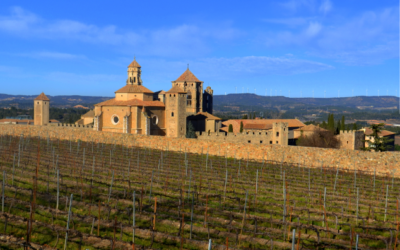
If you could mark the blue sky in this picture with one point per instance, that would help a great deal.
(307, 47)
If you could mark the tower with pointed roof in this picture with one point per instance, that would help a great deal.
(175, 112)
(134, 73)
(189, 83)
(41, 107)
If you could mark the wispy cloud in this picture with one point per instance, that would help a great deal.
(52, 55)
(84, 79)
(325, 6)
(166, 41)
(368, 38)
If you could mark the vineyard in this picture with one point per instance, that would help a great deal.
(59, 194)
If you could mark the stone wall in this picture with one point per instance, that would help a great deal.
(277, 135)
(344, 159)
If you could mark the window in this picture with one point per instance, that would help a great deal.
(249, 141)
(122, 95)
(189, 99)
(277, 142)
(154, 120)
(266, 133)
(37, 102)
(115, 119)
(134, 79)
(253, 133)
(270, 142)
(260, 142)
(44, 103)
(277, 133)
(172, 114)
(347, 142)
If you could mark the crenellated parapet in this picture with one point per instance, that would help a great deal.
(69, 125)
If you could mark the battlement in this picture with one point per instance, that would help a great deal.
(351, 132)
(70, 125)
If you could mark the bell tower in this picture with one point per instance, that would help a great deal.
(41, 106)
(134, 73)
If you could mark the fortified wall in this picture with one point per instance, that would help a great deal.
(384, 162)
(278, 135)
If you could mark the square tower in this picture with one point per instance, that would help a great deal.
(280, 132)
(175, 112)
(193, 88)
(41, 107)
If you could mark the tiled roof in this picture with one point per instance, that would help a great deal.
(79, 122)
(16, 120)
(293, 123)
(135, 64)
(162, 92)
(133, 102)
(134, 89)
(257, 126)
(176, 89)
(209, 116)
(42, 97)
(54, 121)
(368, 131)
(90, 114)
(309, 127)
(201, 115)
(187, 76)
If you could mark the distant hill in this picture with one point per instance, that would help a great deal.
(373, 102)
(266, 101)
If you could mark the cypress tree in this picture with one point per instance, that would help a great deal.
(355, 126)
(230, 130)
(338, 127)
(190, 133)
(241, 127)
(343, 126)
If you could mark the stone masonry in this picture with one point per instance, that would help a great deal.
(384, 162)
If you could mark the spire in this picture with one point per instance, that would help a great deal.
(134, 64)
(42, 97)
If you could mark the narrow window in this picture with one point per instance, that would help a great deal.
(37, 102)
(249, 141)
(270, 142)
(260, 142)
(172, 114)
(277, 133)
(134, 79)
(277, 142)
(347, 142)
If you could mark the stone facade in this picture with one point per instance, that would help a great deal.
(41, 108)
(384, 162)
(351, 139)
(278, 135)
(137, 110)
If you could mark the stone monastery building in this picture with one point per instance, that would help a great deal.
(138, 110)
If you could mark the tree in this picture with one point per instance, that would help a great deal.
(320, 139)
(337, 131)
(244, 116)
(378, 143)
(331, 123)
(190, 131)
(241, 127)
(355, 126)
(324, 125)
(230, 130)
(343, 126)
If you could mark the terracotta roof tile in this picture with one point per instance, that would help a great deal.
(368, 131)
(187, 76)
(90, 114)
(176, 89)
(310, 127)
(134, 89)
(209, 116)
(42, 97)
(134, 64)
(257, 126)
(133, 102)
(293, 123)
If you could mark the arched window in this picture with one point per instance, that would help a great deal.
(189, 98)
